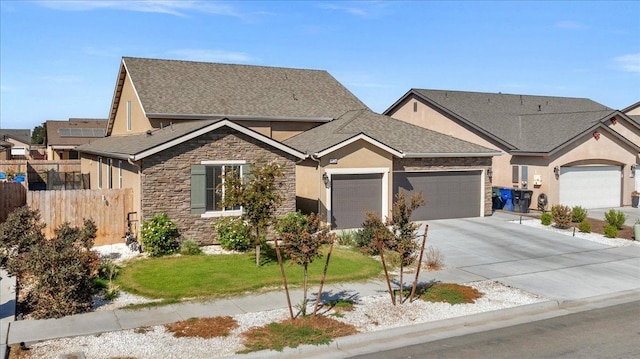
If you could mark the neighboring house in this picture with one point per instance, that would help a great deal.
(176, 126)
(573, 150)
(15, 144)
(633, 112)
(64, 136)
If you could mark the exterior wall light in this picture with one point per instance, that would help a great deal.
(633, 170)
(325, 179)
(556, 171)
(490, 173)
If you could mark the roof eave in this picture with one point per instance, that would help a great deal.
(177, 116)
(451, 154)
(359, 136)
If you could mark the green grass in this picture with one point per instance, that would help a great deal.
(176, 278)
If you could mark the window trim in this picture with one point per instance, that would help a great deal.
(223, 212)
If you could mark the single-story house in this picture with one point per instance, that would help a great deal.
(16, 144)
(176, 126)
(64, 136)
(573, 151)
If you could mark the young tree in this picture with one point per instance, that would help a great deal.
(259, 196)
(302, 237)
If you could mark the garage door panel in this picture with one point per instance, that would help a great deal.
(352, 196)
(449, 194)
(590, 186)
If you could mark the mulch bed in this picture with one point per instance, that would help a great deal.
(597, 226)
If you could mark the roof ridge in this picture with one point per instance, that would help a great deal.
(219, 63)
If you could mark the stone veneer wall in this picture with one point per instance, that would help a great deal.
(166, 178)
(451, 163)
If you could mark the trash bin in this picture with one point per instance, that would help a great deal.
(506, 194)
(496, 199)
(522, 200)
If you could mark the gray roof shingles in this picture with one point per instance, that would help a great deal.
(399, 135)
(524, 122)
(200, 88)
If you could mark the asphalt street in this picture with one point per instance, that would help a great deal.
(610, 332)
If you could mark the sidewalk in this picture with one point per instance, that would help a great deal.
(7, 308)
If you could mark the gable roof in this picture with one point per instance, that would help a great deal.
(22, 135)
(195, 90)
(521, 123)
(76, 131)
(138, 146)
(397, 137)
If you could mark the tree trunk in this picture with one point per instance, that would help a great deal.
(324, 276)
(401, 284)
(284, 278)
(257, 247)
(386, 273)
(304, 295)
(415, 281)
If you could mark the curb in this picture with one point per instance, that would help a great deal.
(387, 339)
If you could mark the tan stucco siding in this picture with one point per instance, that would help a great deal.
(357, 155)
(634, 111)
(626, 130)
(308, 186)
(139, 122)
(284, 130)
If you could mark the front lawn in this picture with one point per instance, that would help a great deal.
(175, 278)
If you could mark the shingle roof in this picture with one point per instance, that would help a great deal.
(200, 88)
(521, 122)
(399, 135)
(138, 146)
(22, 135)
(76, 131)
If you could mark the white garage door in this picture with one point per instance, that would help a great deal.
(590, 186)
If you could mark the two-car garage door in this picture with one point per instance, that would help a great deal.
(590, 186)
(449, 194)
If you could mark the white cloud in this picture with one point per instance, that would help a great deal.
(170, 7)
(571, 25)
(62, 79)
(629, 63)
(6, 89)
(210, 55)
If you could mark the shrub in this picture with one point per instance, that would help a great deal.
(346, 238)
(610, 231)
(584, 227)
(561, 215)
(578, 214)
(615, 218)
(159, 236)
(233, 234)
(365, 237)
(57, 274)
(546, 218)
(190, 248)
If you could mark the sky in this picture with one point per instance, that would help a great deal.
(60, 59)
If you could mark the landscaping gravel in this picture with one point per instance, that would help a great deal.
(594, 237)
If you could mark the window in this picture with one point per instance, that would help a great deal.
(74, 155)
(109, 174)
(207, 186)
(129, 115)
(119, 174)
(514, 174)
(99, 172)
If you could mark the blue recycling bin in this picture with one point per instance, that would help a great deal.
(19, 178)
(506, 194)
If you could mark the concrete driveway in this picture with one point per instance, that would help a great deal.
(550, 264)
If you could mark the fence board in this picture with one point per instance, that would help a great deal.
(107, 208)
(12, 195)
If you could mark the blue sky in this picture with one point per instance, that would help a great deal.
(59, 59)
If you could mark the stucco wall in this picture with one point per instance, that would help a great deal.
(139, 122)
(166, 182)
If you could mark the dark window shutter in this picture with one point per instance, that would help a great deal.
(198, 185)
(514, 174)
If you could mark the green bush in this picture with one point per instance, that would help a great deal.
(610, 231)
(159, 236)
(561, 215)
(578, 214)
(615, 218)
(190, 248)
(233, 234)
(545, 219)
(346, 238)
(365, 237)
(584, 227)
(292, 222)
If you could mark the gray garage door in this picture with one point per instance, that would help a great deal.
(449, 194)
(351, 196)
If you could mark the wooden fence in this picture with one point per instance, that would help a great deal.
(12, 195)
(107, 208)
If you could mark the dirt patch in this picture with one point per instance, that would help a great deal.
(203, 327)
(597, 226)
